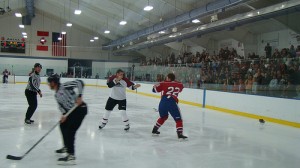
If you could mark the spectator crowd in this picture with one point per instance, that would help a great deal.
(274, 74)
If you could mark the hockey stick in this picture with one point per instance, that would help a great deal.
(11, 157)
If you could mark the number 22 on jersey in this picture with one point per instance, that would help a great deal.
(173, 91)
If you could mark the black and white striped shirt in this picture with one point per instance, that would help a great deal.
(34, 82)
(66, 96)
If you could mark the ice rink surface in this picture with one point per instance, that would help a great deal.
(216, 140)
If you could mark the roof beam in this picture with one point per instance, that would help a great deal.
(96, 11)
(135, 10)
(182, 7)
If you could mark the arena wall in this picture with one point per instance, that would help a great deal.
(276, 110)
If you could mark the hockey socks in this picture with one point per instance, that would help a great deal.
(179, 127)
(158, 124)
(104, 119)
(125, 120)
(106, 116)
(161, 121)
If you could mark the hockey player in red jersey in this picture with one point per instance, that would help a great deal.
(168, 104)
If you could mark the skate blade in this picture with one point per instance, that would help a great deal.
(155, 135)
(182, 139)
(61, 154)
(66, 163)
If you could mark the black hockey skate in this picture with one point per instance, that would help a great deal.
(181, 136)
(62, 150)
(127, 127)
(102, 125)
(155, 131)
(28, 122)
(68, 160)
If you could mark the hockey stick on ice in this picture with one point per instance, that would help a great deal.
(11, 157)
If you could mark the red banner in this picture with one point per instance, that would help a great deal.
(42, 33)
(43, 40)
(41, 48)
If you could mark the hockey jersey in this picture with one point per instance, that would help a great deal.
(118, 91)
(169, 89)
(34, 82)
(66, 96)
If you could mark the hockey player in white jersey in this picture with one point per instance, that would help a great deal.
(118, 84)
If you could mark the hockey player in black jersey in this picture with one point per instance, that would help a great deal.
(66, 99)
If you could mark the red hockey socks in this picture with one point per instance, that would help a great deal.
(179, 126)
(161, 121)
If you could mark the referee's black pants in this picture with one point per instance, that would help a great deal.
(32, 102)
(4, 79)
(71, 125)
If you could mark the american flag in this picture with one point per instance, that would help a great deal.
(59, 46)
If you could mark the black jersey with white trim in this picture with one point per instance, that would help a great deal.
(66, 95)
(34, 82)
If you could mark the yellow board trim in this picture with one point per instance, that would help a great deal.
(220, 109)
(229, 111)
(253, 116)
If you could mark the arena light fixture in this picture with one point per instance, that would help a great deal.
(123, 22)
(148, 7)
(59, 38)
(24, 33)
(69, 24)
(25, 36)
(162, 32)
(18, 14)
(77, 11)
(96, 38)
(196, 21)
(21, 26)
(92, 40)
(63, 32)
(107, 30)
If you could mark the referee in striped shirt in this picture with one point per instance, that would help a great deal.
(66, 98)
(31, 91)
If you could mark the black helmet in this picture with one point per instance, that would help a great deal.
(37, 65)
(53, 78)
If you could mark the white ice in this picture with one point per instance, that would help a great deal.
(216, 140)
